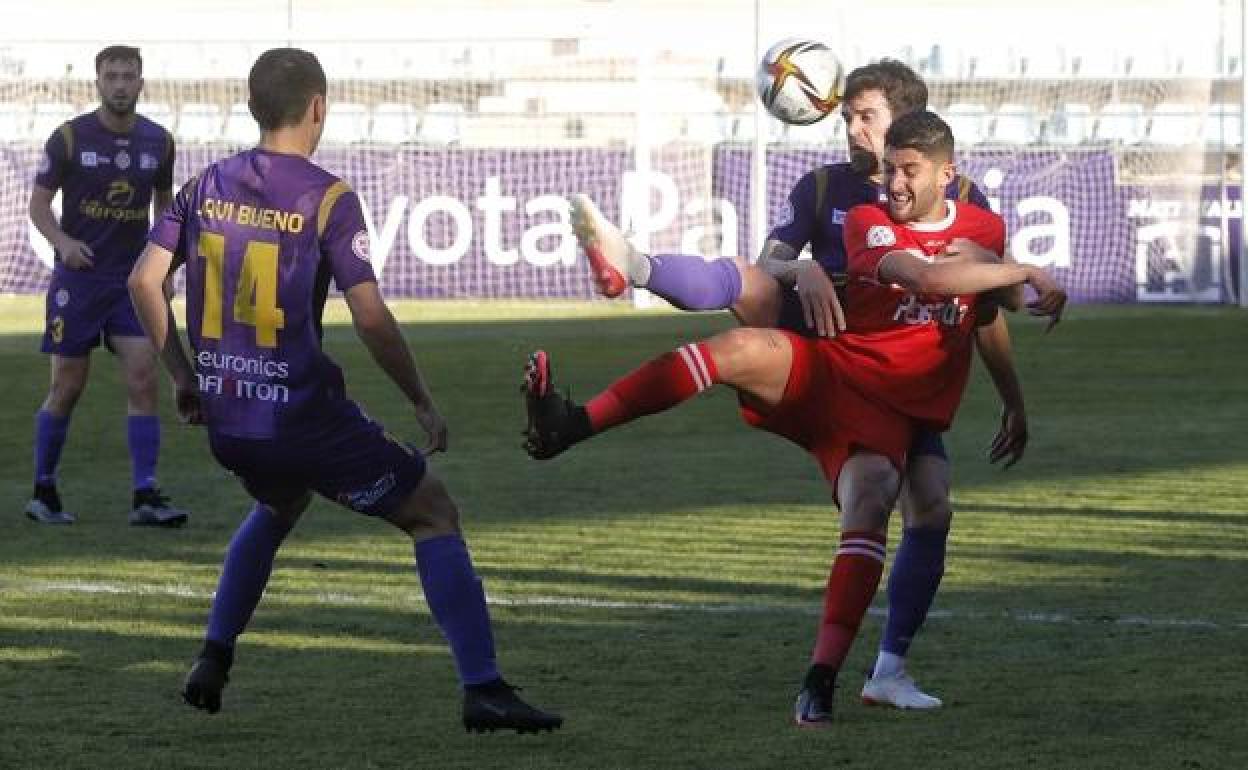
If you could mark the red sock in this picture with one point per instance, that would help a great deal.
(851, 587)
(658, 384)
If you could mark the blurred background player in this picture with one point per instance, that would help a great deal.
(111, 166)
(262, 233)
(801, 296)
(912, 315)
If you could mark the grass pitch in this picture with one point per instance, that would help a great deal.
(659, 586)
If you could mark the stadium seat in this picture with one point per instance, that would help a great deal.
(199, 122)
(967, 121)
(49, 116)
(1120, 123)
(442, 123)
(14, 121)
(347, 122)
(1174, 125)
(159, 112)
(394, 123)
(1014, 124)
(1070, 124)
(240, 127)
(1222, 123)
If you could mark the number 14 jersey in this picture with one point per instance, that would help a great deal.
(261, 234)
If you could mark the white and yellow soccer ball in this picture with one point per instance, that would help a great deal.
(800, 81)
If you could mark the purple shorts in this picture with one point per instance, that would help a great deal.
(84, 309)
(792, 319)
(345, 457)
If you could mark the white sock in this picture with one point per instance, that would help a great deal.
(638, 268)
(888, 665)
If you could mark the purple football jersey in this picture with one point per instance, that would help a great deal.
(261, 234)
(801, 224)
(106, 181)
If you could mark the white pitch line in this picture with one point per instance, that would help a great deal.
(53, 587)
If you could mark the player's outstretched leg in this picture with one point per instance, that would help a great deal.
(554, 422)
(688, 281)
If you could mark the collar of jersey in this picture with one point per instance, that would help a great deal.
(935, 227)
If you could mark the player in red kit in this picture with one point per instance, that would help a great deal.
(853, 401)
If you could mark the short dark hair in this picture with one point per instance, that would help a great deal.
(924, 131)
(118, 53)
(902, 87)
(281, 84)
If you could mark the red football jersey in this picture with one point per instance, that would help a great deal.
(911, 352)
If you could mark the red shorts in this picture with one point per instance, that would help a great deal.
(825, 415)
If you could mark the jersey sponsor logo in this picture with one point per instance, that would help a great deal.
(148, 161)
(838, 216)
(947, 312)
(61, 297)
(89, 159)
(45, 163)
(122, 160)
(880, 236)
(360, 245)
(120, 193)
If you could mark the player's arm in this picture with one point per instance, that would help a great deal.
(917, 274)
(992, 340)
(377, 329)
(147, 292)
(1009, 297)
(74, 253)
(821, 307)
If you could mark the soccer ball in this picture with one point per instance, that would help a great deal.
(800, 81)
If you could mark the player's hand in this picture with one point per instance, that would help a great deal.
(1050, 298)
(435, 426)
(190, 407)
(966, 250)
(820, 305)
(75, 254)
(1011, 439)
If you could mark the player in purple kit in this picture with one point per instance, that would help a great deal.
(262, 234)
(111, 165)
(801, 296)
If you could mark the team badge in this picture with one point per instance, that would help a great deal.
(89, 159)
(61, 297)
(880, 236)
(147, 161)
(360, 245)
(122, 160)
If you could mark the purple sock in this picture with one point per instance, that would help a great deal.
(50, 433)
(457, 602)
(143, 433)
(248, 563)
(917, 570)
(691, 283)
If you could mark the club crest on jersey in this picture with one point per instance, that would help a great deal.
(62, 297)
(122, 160)
(360, 245)
(879, 236)
(946, 312)
(89, 159)
(148, 161)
